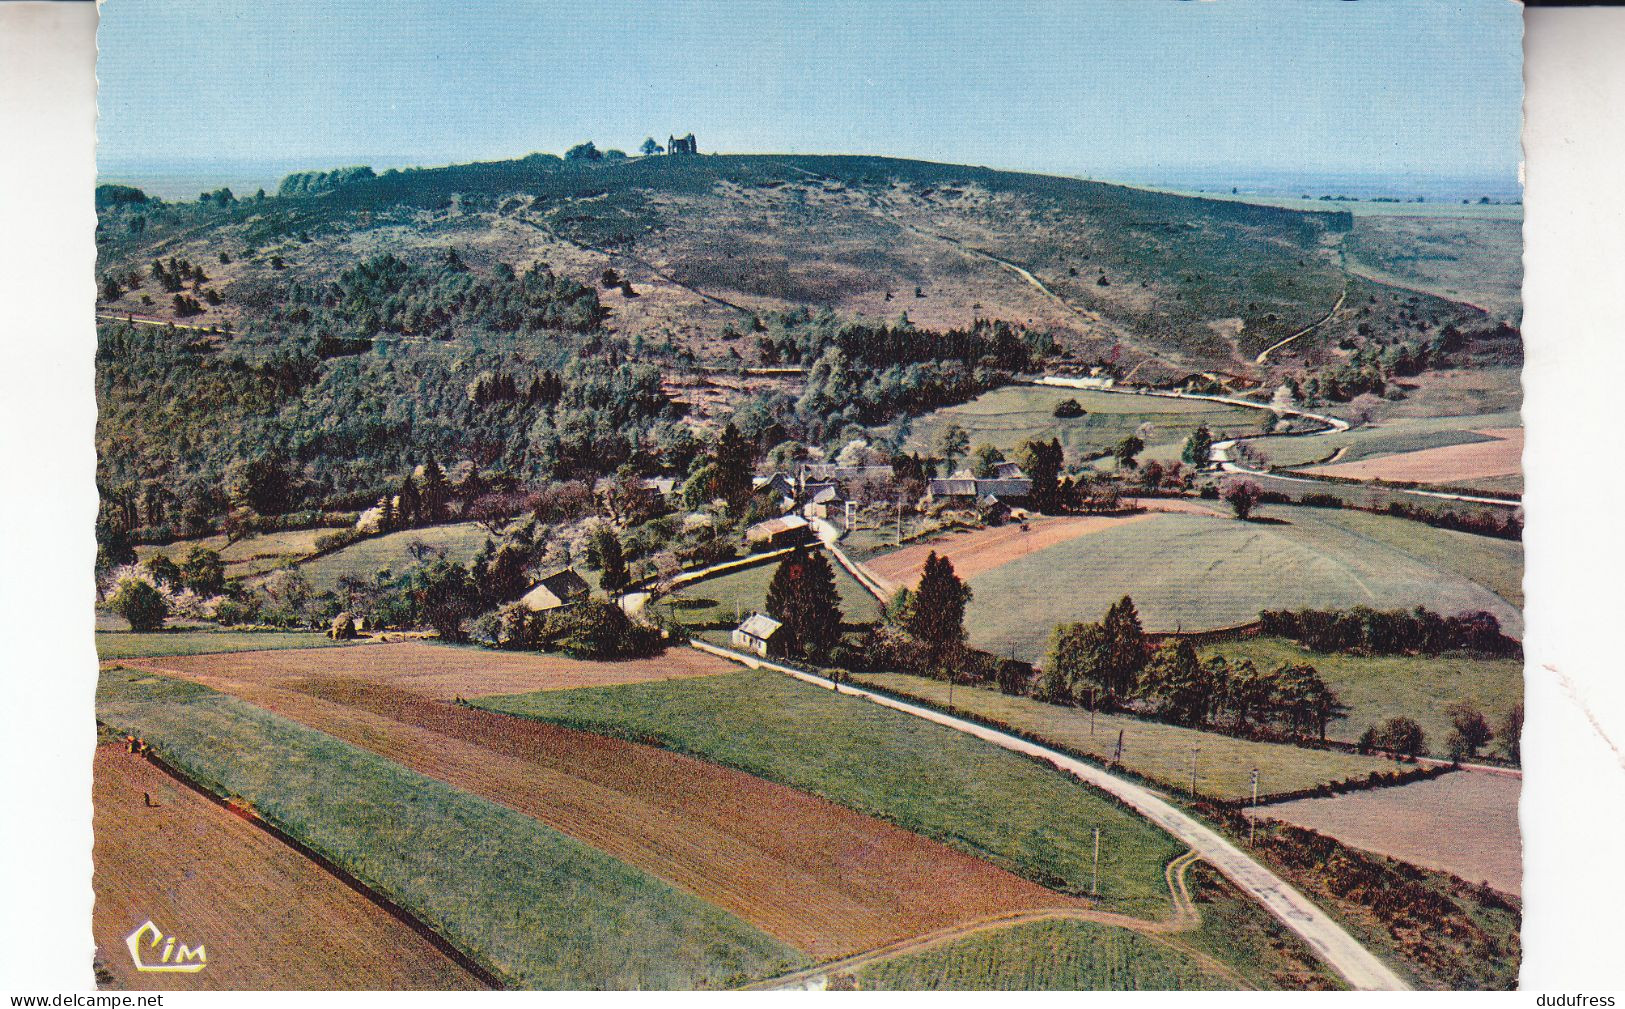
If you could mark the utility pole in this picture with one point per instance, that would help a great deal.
(1250, 813)
(1117, 755)
(1094, 879)
(1194, 751)
(1091, 711)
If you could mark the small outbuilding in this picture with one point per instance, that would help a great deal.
(759, 635)
(775, 534)
(557, 590)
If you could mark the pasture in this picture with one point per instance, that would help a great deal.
(148, 644)
(541, 908)
(1013, 414)
(1160, 753)
(459, 541)
(1380, 687)
(197, 870)
(968, 794)
(252, 555)
(1046, 956)
(718, 602)
(1190, 572)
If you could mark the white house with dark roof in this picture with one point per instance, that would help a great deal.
(759, 635)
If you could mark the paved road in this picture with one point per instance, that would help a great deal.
(1353, 961)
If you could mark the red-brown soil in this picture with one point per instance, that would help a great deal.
(974, 552)
(434, 670)
(268, 917)
(1465, 823)
(1448, 464)
(816, 875)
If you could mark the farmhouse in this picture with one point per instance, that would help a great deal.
(785, 531)
(825, 502)
(557, 590)
(828, 472)
(968, 490)
(759, 634)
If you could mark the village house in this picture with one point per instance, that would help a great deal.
(759, 635)
(776, 534)
(966, 490)
(557, 590)
(812, 476)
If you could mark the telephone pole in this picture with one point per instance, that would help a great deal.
(1094, 878)
(1194, 751)
(1250, 813)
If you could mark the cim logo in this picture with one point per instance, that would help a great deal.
(175, 958)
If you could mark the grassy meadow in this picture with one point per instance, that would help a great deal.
(1381, 687)
(543, 909)
(147, 644)
(1157, 752)
(460, 541)
(713, 602)
(1011, 415)
(1398, 434)
(943, 784)
(1192, 572)
(1045, 956)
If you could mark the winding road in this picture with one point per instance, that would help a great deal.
(1329, 940)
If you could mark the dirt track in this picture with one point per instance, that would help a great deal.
(817, 876)
(437, 671)
(269, 917)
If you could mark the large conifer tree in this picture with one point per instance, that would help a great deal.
(803, 598)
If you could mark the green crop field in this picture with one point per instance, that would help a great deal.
(1192, 572)
(1380, 687)
(954, 788)
(544, 909)
(460, 542)
(1009, 416)
(1045, 956)
(142, 645)
(713, 602)
(1160, 753)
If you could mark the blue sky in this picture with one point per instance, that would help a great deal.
(1125, 88)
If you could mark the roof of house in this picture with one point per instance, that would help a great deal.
(773, 527)
(558, 587)
(830, 471)
(826, 493)
(760, 626)
(1009, 471)
(962, 487)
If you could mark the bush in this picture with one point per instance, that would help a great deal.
(342, 628)
(338, 540)
(594, 629)
(1069, 408)
(139, 603)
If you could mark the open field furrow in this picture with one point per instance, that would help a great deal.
(815, 875)
(269, 917)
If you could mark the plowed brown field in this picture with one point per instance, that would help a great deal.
(269, 917)
(1447, 464)
(976, 551)
(815, 875)
(435, 670)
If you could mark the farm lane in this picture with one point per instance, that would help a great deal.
(1264, 356)
(1357, 965)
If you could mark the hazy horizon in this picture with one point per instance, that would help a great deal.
(1154, 92)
